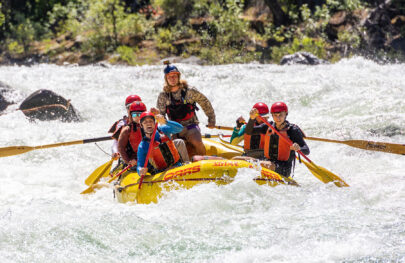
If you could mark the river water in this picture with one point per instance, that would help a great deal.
(43, 218)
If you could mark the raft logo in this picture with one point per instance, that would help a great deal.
(183, 172)
(235, 164)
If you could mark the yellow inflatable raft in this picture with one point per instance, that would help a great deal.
(205, 171)
(218, 171)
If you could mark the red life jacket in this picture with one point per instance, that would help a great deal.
(180, 110)
(135, 137)
(164, 153)
(275, 148)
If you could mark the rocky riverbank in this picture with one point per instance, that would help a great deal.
(375, 30)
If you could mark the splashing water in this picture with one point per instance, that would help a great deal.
(43, 218)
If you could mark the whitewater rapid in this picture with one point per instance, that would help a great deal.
(43, 218)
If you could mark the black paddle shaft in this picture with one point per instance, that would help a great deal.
(97, 139)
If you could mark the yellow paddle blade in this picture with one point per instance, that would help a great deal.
(98, 173)
(324, 175)
(14, 150)
(93, 187)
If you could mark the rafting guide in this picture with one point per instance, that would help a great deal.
(179, 102)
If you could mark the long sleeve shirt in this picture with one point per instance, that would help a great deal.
(192, 95)
(171, 127)
(294, 133)
(238, 135)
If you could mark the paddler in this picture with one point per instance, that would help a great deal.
(178, 100)
(118, 125)
(253, 143)
(279, 156)
(131, 134)
(166, 152)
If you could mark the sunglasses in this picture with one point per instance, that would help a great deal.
(136, 114)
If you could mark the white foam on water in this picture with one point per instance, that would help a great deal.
(43, 218)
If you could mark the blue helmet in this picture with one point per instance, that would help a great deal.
(170, 68)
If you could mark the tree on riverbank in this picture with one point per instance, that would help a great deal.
(217, 31)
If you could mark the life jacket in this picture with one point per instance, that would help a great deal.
(275, 148)
(253, 142)
(115, 129)
(164, 153)
(135, 137)
(180, 110)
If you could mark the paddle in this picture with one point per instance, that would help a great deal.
(15, 150)
(152, 140)
(96, 186)
(225, 128)
(214, 135)
(365, 145)
(101, 171)
(319, 172)
(368, 145)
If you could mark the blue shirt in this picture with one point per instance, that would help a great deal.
(171, 127)
(238, 133)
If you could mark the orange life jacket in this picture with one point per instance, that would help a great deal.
(164, 153)
(135, 137)
(253, 142)
(275, 148)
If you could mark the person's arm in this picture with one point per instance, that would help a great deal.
(297, 136)
(162, 103)
(237, 135)
(122, 143)
(142, 152)
(114, 147)
(171, 127)
(205, 104)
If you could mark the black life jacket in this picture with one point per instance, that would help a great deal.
(180, 110)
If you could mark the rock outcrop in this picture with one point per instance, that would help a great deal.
(47, 105)
(304, 58)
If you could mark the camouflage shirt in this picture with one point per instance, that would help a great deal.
(192, 95)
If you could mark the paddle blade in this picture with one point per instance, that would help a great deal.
(98, 173)
(14, 150)
(93, 187)
(324, 175)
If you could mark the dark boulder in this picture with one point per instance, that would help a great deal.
(47, 105)
(5, 94)
(304, 58)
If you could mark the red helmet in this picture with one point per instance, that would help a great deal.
(132, 98)
(262, 108)
(279, 107)
(147, 114)
(137, 106)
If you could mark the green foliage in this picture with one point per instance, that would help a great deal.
(176, 9)
(15, 49)
(164, 40)
(314, 46)
(104, 24)
(227, 29)
(348, 5)
(23, 33)
(127, 54)
(348, 38)
(2, 17)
